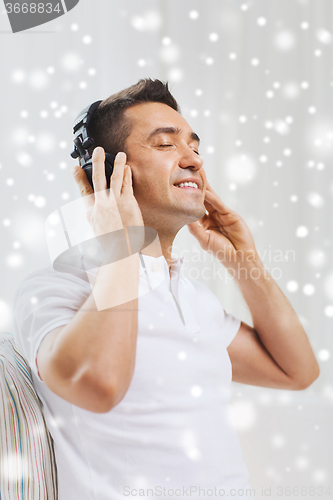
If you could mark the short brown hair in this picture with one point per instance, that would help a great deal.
(109, 128)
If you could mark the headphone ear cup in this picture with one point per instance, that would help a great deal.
(87, 167)
(109, 162)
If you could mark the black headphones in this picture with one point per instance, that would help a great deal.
(82, 143)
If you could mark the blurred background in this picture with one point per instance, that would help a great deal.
(254, 79)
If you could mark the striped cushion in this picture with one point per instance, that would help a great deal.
(27, 464)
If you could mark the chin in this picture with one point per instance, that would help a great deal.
(199, 213)
(194, 215)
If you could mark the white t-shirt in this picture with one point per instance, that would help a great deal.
(173, 431)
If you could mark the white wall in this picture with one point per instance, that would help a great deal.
(249, 87)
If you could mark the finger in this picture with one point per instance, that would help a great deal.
(127, 187)
(216, 203)
(221, 213)
(209, 208)
(225, 218)
(117, 176)
(84, 186)
(209, 188)
(203, 176)
(211, 191)
(98, 169)
(199, 233)
(205, 222)
(202, 220)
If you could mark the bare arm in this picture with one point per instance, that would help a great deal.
(277, 340)
(276, 351)
(90, 361)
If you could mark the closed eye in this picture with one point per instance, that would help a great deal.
(169, 145)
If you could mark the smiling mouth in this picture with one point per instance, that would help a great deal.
(188, 187)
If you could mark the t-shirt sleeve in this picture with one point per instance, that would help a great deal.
(231, 326)
(45, 300)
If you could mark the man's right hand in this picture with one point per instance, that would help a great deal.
(109, 210)
(90, 361)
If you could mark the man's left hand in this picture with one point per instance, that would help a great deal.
(223, 232)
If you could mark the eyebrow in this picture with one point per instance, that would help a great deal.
(173, 130)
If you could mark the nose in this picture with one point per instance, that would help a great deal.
(190, 159)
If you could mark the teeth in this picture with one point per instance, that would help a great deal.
(191, 184)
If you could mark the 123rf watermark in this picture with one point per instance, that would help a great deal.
(25, 14)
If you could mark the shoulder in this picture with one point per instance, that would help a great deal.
(44, 300)
(206, 298)
(201, 288)
(47, 280)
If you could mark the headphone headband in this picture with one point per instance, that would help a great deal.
(82, 143)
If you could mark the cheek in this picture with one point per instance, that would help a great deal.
(151, 173)
(146, 186)
(139, 183)
(202, 174)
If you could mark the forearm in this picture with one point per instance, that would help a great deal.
(275, 321)
(98, 345)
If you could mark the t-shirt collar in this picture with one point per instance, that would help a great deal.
(147, 262)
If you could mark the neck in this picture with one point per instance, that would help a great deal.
(161, 246)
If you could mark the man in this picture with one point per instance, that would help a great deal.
(136, 394)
